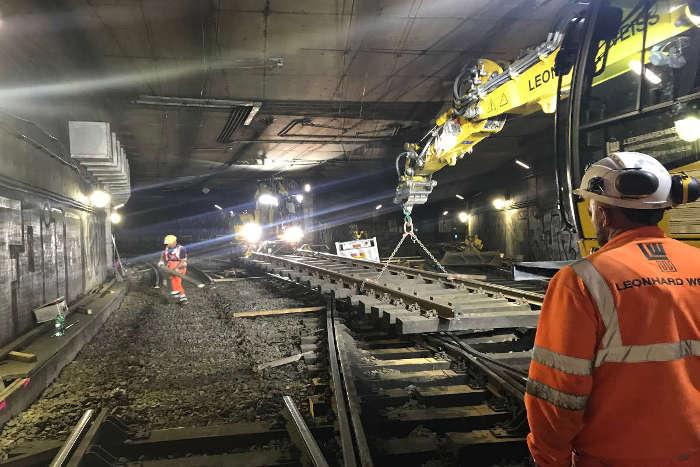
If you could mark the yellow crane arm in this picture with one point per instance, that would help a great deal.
(527, 85)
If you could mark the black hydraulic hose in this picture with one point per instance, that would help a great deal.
(456, 85)
(473, 351)
(557, 169)
(516, 388)
(396, 163)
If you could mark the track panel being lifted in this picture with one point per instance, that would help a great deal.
(411, 301)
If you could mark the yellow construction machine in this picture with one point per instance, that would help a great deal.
(602, 48)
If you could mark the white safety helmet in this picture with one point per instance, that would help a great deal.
(628, 180)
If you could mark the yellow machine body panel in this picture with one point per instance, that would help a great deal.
(533, 90)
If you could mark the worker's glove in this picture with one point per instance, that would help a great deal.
(161, 264)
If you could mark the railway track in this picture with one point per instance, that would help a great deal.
(421, 369)
(427, 369)
(100, 440)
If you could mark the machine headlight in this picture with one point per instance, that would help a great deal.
(688, 128)
(267, 199)
(251, 232)
(292, 235)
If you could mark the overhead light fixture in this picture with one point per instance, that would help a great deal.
(253, 112)
(502, 203)
(459, 196)
(115, 218)
(100, 198)
(379, 206)
(267, 199)
(444, 213)
(522, 164)
(688, 128)
(118, 206)
(307, 187)
(218, 207)
(636, 66)
(299, 197)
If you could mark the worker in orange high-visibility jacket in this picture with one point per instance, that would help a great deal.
(615, 373)
(175, 257)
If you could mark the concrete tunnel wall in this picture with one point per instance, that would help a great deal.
(532, 229)
(52, 243)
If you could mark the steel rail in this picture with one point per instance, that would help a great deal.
(88, 440)
(362, 448)
(341, 411)
(303, 434)
(75, 436)
(512, 293)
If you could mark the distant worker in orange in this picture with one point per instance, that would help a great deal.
(175, 257)
(615, 373)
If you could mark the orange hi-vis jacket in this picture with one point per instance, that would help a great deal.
(615, 374)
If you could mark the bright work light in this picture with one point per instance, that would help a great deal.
(99, 198)
(292, 234)
(267, 199)
(688, 128)
(464, 217)
(251, 232)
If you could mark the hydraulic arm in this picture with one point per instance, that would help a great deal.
(485, 93)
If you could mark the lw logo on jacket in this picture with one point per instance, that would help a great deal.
(655, 252)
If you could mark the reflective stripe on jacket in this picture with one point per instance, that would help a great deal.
(174, 254)
(615, 370)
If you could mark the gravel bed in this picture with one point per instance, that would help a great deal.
(255, 294)
(159, 365)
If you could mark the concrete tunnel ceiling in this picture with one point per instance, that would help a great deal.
(326, 87)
